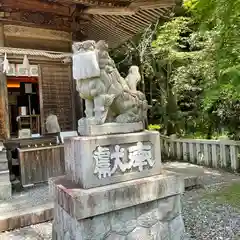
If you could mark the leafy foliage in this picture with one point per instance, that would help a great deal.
(155, 127)
(191, 67)
(222, 100)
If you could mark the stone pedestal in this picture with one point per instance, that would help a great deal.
(5, 184)
(114, 189)
(94, 161)
(147, 208)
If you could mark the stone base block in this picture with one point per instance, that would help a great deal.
(3, 161)
(3, 165)
(5, 190)
(94, 161)
(86, 129)
(147, 208)
(4, 176)
(5, 184)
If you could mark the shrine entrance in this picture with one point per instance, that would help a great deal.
(23, 102)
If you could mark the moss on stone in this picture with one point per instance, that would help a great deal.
(229, 194)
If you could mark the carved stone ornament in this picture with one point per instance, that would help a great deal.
(108, 97)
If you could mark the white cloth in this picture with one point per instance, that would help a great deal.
(85, 65)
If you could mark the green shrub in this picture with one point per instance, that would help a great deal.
(155, 127)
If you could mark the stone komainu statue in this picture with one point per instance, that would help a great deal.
(108, 97)
(52, 125)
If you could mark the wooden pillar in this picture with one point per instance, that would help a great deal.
(4, 116)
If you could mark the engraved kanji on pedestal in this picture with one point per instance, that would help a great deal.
(102, 159)
(118, 155)
(139, 156)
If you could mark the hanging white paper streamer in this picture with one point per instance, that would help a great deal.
(6, 65)
(26, 64)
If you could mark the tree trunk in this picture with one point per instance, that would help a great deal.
(142, 78)
(171, 108)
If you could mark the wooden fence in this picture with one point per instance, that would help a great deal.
(211, 153)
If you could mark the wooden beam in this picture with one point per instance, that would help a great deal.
(46, 20)
(37, 5)
(108, 3)
(4, 116)
(108, 24)
(150, 4)
(36, 33)
(36, 25)
(123, 11)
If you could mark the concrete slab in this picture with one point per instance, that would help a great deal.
(191, 175)
(199, 175)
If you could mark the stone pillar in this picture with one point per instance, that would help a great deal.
(114, 189)
(5, 184)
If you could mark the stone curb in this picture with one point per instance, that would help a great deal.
(26, 217)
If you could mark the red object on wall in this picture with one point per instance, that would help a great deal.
(14, 82)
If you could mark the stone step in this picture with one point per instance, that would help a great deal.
(28, 207)
(5, 190)
(3, 154)
(3, 157)
(3, 165)
(192, 175)
(25, 217)
(191, 182)
(4, 176)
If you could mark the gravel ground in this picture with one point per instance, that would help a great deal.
(207, 219)
(31, 197)
(42, 231)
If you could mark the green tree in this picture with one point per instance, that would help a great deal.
(223, 18)
(187, 57)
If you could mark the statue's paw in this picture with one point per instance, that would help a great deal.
(123, 118)
(109, 99)
(88, 121)
(95, 121)
(81, 121)
(92, 121)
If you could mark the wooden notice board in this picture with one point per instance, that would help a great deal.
(56, 95)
